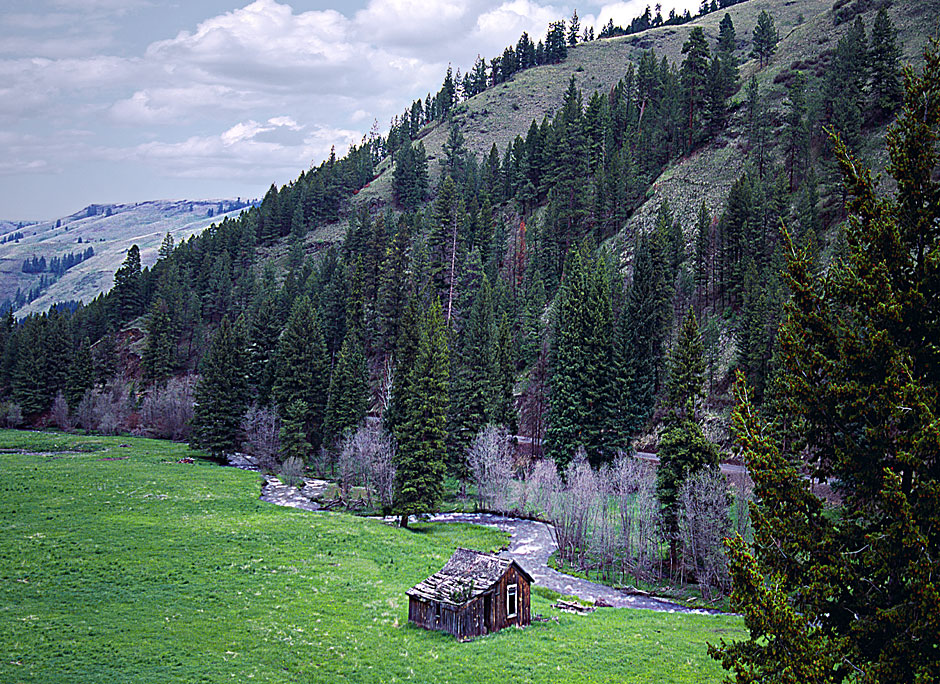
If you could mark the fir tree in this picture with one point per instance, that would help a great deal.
(221, 395)
(764, 39)
(580, 403)
(839, 598)
(303, 368)
(884, 58)
(422, 427)
(81, 374)
(686, 369)
(695, 76)
(349, 390)
(293, 434)
(127, 286)
(159, 357)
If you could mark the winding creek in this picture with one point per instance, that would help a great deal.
(531, 544)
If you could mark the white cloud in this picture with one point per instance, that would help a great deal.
(509, 20)
(239, 152)
(410, 23)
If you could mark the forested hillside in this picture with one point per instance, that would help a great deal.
(662, 183)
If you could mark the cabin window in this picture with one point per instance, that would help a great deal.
(512, 600)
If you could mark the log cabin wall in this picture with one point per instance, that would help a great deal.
(481, 614)
(523, 615)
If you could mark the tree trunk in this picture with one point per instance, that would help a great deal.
(404, 521)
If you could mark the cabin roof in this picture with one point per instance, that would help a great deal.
(465, 576)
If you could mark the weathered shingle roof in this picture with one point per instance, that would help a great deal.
(465, 576)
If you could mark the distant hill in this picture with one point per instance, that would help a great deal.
(110, 229)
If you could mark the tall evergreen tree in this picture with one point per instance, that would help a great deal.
(349, 390)
(303, 367)
(159, 357)
(221, 395)
(884, 58)
(422, 427)
(580, 403)
(765, 38)
(695, 76)
(127, 286)
(853, 596)
(81, 374)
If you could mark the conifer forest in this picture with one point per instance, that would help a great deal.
(688, 316)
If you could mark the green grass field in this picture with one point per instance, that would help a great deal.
(118, 564)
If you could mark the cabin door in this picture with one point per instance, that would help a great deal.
(488, 612)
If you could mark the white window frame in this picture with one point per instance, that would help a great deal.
(513, 591)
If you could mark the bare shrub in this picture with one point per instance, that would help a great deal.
(292, 471)
(262, 428)
(11, 414)
(106, 411)
(574, 512)
(60, 413)
(743, 488)
(490, 461)
(350, 464)
(542, 486)
(367, 456)
(633, 485)
(704, 523)
(166, 412)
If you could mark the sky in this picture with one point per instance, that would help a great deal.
(115, 101)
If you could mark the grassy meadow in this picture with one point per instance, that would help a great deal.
(117, 563)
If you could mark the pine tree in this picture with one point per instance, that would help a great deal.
(727, 45)
(349, 390)
(159, 357)
(166, 247)
(686, 380)
(422, 427)
(293, 434)
(884, 58)
(221, 394)
(695, 76)
(81, 376)
(303, 367)
(580, 404)
(765, 38)
(574, 28)
(797, 129)
(127, 286)
(853, 596)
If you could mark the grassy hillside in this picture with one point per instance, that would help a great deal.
(499, 114)
(120, 564)
(144, 224)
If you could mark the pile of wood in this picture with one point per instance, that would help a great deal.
(333, 504)
(572, 607)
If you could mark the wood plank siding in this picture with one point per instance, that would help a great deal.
(468, 602)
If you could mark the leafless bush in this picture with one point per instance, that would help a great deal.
(107, 410)
(743, 488)
(367, 457)
(633, 484)
(490, 461)
(167, 410)
(60, 413)
(292, 471)
(574, 512)
(262, 429)
(703, 525)
(11, 414)
(542, 486)
(350, 464)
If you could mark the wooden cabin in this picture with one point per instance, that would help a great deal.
(473, 594)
